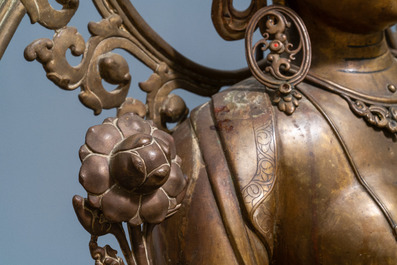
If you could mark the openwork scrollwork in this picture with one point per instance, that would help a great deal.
(41, 11)
(129, 167)
(280, 53)
(105, 255)
(123, 28)
(98, 63)
(231, 23)
(382, 117)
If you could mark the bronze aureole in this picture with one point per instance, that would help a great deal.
(294, 163)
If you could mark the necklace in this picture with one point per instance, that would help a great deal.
(383, 117)
(378, 112)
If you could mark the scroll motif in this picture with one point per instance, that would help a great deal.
(264, 219)
(382, 117)
(163, 107)
(229, 22)
(129, 167)
(264, 179)
(280, 54)
(123, 28)
(41, 11)
(256, 193)
(105, 255)
(98, 62)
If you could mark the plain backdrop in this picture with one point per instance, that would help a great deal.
(42, 128)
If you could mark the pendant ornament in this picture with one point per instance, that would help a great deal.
(378, 112)
(378, 116)
(279, 53)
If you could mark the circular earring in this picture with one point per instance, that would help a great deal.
(278, 73)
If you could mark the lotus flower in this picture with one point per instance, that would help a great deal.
(130, 171)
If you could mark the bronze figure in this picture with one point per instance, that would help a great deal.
(314, 187)
(295, 165)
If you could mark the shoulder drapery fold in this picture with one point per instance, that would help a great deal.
(237, 141)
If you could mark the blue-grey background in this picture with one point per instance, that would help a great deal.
(42, 128)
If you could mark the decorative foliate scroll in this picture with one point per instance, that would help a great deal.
(130, 169)
(121, 28)
(279, 75)
(42, 12)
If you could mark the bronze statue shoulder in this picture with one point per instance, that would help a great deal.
(229, 153)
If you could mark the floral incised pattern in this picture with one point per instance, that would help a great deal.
(263, 181)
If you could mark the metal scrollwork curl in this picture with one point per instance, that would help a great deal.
(382, 117)
(105, 255)
(98, 62)
(42, 12)
(164, 107)
(229, 22)
(280, 53)
(123, 28)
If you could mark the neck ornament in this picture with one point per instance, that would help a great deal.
(378, 112)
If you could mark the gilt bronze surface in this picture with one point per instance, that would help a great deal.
(315, 187)
(11, 13)
(294, 165)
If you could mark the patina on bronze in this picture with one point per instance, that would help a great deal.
(11, 14)
(314, 187)
(296, 165)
